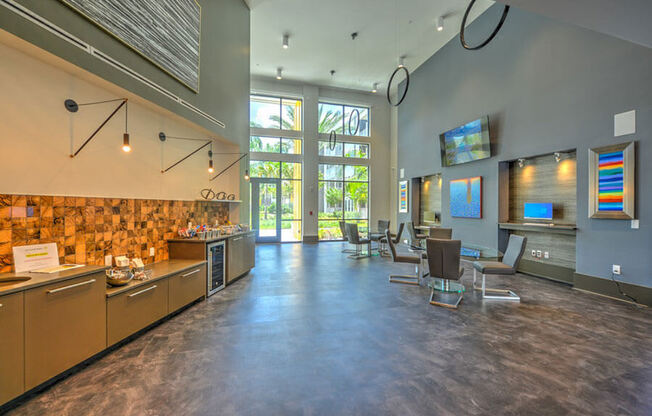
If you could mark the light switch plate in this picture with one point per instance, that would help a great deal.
(108, 260)
(402, 175)
(152, 252)
(625, 123)
(615, 269)
(635, 224)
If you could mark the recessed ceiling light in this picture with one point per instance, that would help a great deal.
(440, 23)
(286, 41)
(279, 73)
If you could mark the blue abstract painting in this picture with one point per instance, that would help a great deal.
(466, 197)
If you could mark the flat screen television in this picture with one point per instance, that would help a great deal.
(537, 211)
(466, 143)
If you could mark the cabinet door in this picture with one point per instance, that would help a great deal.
(129, 312)
(249, 252)
(12, 362)
(186, 287)
(234, 265)
(65, 323)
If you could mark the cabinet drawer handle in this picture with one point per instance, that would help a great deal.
(189, 273)
(142, 291)
(237, 238)
(61, 289)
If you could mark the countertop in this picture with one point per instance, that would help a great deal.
(41, 279)
(160, 270)
(209, 240)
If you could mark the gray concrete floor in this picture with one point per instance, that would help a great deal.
(311, 332)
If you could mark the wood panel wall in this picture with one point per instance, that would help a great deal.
(430, 199)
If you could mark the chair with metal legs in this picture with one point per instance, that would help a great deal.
(414, 236)
(441, 233)
(396, 240)
(444, 264)
(354, 238)
(345, 237)
(513, 254)
(379, 235)
(406, 279)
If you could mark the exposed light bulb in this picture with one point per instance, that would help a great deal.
(557, 157)
(125, 143)
(401, 61)
(440, 23)
(279, 73)
(246, 175)
(210, 166)
(374, 89)
(521, 163)
(286, 41)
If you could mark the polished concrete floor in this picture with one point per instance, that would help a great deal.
(311, 332)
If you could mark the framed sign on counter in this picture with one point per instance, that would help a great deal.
(403, 193)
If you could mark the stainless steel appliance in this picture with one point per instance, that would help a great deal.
(216, 255)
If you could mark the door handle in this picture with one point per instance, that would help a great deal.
(142, 291)
(188, 274)
(61, 289)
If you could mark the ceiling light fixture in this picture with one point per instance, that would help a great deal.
(440, 23)
(210, 161)
(557, 157)
(401, 61)
(374, 89)
(279, 73)
(521, 163)
(286, 41)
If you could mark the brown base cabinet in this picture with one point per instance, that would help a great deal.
(64, 325)
(241, 253)
(12, 363)
(186, 287)
(129, 312)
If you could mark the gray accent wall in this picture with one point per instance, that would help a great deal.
(546, 86)
(224, 62)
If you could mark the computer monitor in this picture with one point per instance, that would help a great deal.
(537, 211)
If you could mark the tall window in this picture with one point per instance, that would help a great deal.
(343, 196)
(343, 119)
(344, 149)
(275, 113)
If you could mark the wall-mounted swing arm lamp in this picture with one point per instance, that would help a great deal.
(242, 156)
(72, 106)
(206, 142)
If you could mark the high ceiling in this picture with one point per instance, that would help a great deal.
(320, 37)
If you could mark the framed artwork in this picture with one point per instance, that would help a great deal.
(611, 182)
(165, 32)
(466, 197)
(403, 191)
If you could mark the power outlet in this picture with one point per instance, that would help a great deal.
(534, 253)
(539, 253)
(615, 268)
(546, 255)
(152, 252)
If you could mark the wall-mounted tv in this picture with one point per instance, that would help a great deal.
(466, 143)
(537, 211)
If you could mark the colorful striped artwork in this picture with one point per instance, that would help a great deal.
(610, 181)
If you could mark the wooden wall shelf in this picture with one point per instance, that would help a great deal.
(568, 229)
(232, 201)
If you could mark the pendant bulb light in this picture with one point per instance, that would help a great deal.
(440, 23)
(126, 147)
(210, 161)
(401, 61)
(374, 88)
(286, 41)
(279, 73)
(246, 175)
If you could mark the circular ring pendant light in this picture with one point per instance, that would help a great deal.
(407, 85)
(490, 38)
(332, 140)
(353, 132)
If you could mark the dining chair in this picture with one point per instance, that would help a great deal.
(406, 279)
(508, 266)
(354, 238)
(414, 236)
(345, 237)
(396, 240)
(380, 234)
(444, 263)
(441, 233)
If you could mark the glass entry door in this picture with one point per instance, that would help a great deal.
(266, 209)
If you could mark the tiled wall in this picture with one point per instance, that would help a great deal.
(87, 229)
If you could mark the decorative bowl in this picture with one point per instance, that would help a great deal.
(118, 277)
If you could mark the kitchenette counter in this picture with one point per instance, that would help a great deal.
(42, 279)
(160, 270)
(209, 240)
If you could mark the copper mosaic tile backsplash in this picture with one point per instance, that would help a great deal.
(87, 229)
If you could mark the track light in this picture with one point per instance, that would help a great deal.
(557, 157)
(374, 89)
(126, 147)
(440, 23)
(286, 41)
(279, 73)
(521, 163)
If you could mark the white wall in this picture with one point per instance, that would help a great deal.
(36, 130)
(380, 172)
